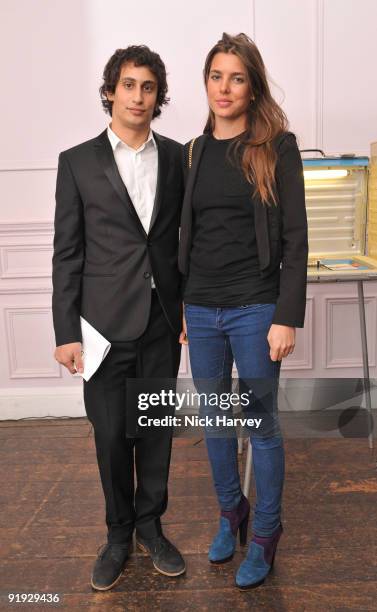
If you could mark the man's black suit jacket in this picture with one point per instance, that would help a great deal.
(281, 230)
(103, 259)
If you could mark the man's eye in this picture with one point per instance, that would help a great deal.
(148, 87)
(128, 85)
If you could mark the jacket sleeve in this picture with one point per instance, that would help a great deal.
(68, 257)
(290, 307)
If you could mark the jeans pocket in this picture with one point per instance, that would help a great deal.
(191, 309)
(256, 306)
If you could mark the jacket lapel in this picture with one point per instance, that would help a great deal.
(186, 216)
(162, 172)
(107, 162)
(193, 171)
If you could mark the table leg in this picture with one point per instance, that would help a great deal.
(247, 479)
(364, 346)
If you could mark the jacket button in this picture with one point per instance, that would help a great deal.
(147, 274)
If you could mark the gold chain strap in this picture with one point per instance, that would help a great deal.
(190, 152)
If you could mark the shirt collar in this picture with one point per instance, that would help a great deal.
(115, 141)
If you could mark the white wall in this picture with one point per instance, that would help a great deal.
(52, 52)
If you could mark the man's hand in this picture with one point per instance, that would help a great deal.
(183, 335)
(70, 356)
(281, 339)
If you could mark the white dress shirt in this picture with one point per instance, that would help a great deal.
(138, 169)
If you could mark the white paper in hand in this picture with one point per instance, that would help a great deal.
(95, 348)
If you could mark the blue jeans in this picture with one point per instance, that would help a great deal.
(217, 337)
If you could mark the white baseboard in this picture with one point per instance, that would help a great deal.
(41, 402)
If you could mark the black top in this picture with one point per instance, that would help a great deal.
(224, 269)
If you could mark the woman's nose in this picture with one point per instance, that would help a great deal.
(224, 85)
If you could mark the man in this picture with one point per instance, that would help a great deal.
(118, 200)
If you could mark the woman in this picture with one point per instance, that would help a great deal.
(243, 253)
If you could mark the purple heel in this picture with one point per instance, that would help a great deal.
(231, 522)
(243, 529)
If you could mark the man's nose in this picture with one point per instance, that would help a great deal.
(138, 95)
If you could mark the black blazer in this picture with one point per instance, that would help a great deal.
(281, 231)
(103, 259)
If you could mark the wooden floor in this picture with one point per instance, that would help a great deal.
(52, 523)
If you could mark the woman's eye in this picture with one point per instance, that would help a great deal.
(239, 80)
(128, 85)
(215, 77)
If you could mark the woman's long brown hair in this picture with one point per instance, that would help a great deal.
(265, 118)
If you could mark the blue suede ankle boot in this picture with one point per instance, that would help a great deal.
(224, 544)
(259, 560)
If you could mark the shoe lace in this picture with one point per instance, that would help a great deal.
(159, 544)
(101, 550)
(111, 548)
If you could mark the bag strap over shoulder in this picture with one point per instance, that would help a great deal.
(190, 152)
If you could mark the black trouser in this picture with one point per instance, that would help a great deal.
(155, 354)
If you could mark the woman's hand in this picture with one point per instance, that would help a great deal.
(281, 339)
(183, 335)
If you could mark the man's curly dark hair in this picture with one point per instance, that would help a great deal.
(140, 55)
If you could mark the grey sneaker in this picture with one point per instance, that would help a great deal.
(109, 566)
(166, 558)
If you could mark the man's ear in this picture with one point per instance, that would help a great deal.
(110, 96)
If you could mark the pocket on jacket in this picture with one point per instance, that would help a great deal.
(97, 274)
